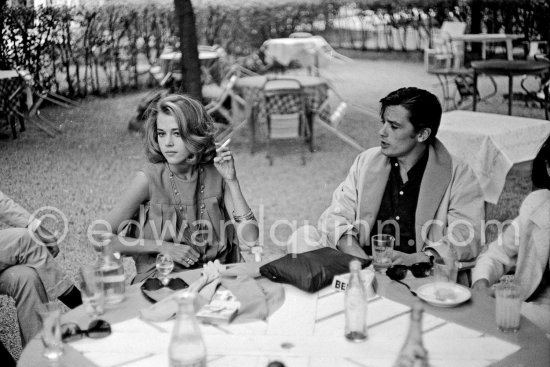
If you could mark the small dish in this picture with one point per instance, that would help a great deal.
(445, 295)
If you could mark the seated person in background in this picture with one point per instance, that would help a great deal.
(187, 201)
(525, 245)
(28, 272)
(410, 187)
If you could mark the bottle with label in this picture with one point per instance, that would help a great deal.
(187, 348)
(413, 353)
(111, 270)
(356, 305)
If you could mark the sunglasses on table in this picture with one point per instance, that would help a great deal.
(97, 329)
(418, 270)
(154, 284)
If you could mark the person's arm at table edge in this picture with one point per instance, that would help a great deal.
(337, 220)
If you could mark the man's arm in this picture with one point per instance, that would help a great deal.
(338, 219)
(350, 245)
(14, 214)
(465, 217)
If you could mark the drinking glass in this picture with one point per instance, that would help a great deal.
(165, 264)
(445, 272)
(508, 306)
(382, 250)
(92, 290)
(50, 315)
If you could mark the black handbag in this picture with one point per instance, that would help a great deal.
(310, 271)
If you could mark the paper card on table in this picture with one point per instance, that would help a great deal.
(296, 316)
(124, 344)
(466, 349)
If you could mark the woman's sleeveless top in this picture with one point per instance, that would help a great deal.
(172, 217)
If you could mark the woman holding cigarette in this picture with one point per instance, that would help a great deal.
(187, 201)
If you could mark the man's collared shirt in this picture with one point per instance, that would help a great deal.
(398, 205)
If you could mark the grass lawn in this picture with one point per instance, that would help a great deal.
(83, 171)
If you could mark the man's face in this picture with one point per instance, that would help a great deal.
(397, 136)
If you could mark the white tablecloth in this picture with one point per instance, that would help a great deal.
(491, 144)
(306, 331)
(304, 50)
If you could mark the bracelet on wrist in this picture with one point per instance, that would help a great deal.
(248, 217)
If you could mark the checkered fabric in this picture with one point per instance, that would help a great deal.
(7, 87)
(316, 95)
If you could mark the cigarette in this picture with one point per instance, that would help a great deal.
(224, 144)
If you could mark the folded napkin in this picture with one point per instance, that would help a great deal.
(258, 296)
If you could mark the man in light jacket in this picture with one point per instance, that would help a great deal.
(409, 186)
(28, 271)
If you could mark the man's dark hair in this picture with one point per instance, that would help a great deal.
(424, 108)
(539, 174)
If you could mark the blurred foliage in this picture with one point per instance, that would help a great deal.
(106, 49)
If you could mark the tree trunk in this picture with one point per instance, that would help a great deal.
(475, 27)
(190, 64)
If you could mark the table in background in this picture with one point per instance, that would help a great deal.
(308, 331)
(510, 69)
(250, 88)
(485, 38)
(308, 51)
(170, 61)
(491, 144)
(11, 87)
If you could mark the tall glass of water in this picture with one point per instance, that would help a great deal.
(92, 290)
(382, 250)
(50, 315)
(165, 265)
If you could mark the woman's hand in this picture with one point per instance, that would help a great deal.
(224, 163)
(182, 254)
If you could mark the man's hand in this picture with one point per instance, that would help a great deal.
(47, 238)
(483, 286)
(348, 244)
(408, 259)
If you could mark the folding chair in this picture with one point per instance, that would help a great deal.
(42, 94)
(331, 120)
(285, 108)
(445, 53)
(219, 103)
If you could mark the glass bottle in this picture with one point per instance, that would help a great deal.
(413, 353)
(187, 348)
(111, 270)
(356, 305)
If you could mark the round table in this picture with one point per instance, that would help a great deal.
(510, 68)
(477, 314)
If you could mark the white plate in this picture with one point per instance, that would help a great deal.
(450, 295)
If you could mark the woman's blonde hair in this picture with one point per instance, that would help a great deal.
(195, 125)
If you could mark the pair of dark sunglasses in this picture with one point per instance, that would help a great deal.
(154, 284)
(418, 270)
(97, 329)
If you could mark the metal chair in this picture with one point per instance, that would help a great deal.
(285, 107)
(445, 53)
